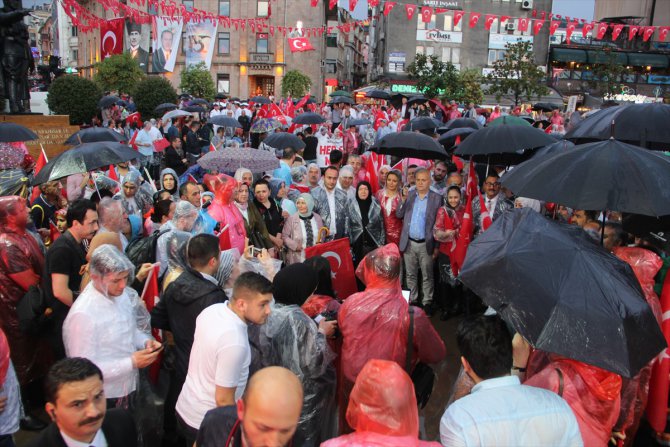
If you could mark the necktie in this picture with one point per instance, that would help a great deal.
(488, 204)
(167, 56)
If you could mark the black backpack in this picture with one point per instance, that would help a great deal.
(143, 250)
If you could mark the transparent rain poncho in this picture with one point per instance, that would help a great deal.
(108, 329)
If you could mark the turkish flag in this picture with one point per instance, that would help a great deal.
(313, 3)
(474, 19)
(111, 173)
(467, 226)
(426, 14)
(587, 28)
(338, 253)
(537, 26)
(553, 26)
(602, 29)
(616, 30)
(111, 37)
(151, 296)
(41, 162)
(388, 6)
(373, 3)
(352, 4)
(299, 44)
(569, 30)
(648, 31)
(410, 10)
(458, 15)
(332, 4)
(504, 19)
(659, 385)
(302, 102)
(161, 145)
(372, 165)
(632, 31)
(490, 18)
(523, 24)
(663, 33)
(131, 143)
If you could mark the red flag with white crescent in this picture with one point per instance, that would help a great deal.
(647, 32)
(488, 21)
(41, 162)
(151, 296)
(523, 24)
(467, 225)
(616, 30)
(298, 44)
(537, 26)
(426, 14)
(458, 15)
(474, 19)
(111, 37)
(553, 26)
(338, 253)
(663, 33)
(602, 29)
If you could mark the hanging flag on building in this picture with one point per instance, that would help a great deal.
(111, 40)
(297, 44)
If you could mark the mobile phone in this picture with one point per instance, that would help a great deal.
(158, 348)
(253, 251)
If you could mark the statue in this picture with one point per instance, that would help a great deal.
(16, 59)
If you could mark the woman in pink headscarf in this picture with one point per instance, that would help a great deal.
(224, 211)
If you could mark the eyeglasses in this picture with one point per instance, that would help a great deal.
(492, 184)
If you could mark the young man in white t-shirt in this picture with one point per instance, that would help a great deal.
(218, 368)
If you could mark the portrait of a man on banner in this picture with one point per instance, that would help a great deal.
(137, 43)
(166, 44)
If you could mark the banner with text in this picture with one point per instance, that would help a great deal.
(325, 147)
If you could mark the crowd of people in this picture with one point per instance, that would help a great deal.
(182, 308)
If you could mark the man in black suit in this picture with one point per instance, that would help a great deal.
(76, 405)
(136, 51)
(162, 53)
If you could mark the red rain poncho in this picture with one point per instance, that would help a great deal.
(382, 409)
(635, 391)
(592, 393)
(224, 211)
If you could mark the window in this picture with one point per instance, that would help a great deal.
(223, 82)
(188, 4)
(75, 31)
(224, 43)
(448, 24)
(455, 56)
(184, 42)
(430, 25)
(263, 8)
(331, 66)
(224, 8)
(261, 42)
(75, 55)
(430, 51)
(420, 49)
(495, 55)
(331, 40)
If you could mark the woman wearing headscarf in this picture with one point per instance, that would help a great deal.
(446, 231)
(293, 340)
(135, 197)
(389, 199)
(301, 230)
(170, 182)
(367, 224)
(324, 297)
(253, 222)
(278, 192)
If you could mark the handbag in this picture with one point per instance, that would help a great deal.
(33, 312)
(423, 376)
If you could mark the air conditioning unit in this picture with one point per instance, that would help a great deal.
(527, 4)
(510, 26)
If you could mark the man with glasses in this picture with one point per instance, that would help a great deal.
(496, 202)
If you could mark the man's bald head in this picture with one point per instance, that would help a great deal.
(271, 407)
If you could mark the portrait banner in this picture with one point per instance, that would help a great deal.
(137, 43)
(166, 44)
(200, 41)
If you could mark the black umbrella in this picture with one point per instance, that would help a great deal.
(220, 96)
(184, 96)
(640, 124)
(200, 101)
(107, 101)
(543, 123)
(225, 121)
(410, 144)
(358, 122)
(260, 100)
(308, 118)
(165, 107)
(608, 175)
(378, 94)
(94, 134)
(562, 292)
(655, 230)
(193, 109)
(545, 107)
(122, 103)
(554, 148)
(417, 99)
(448, 139)
(11, 132)
(84, 158)
(463, 122)
(282, 140)
(396, 100)
(310, 100)
(423, 123)
(342, 100)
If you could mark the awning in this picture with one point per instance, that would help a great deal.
(648, 59)
(568, 55)
(600, 57)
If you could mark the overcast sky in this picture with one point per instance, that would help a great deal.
(581, 9)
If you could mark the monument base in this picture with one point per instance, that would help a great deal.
(53, 130)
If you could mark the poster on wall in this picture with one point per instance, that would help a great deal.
(199, 42)
(137, 43)
(166, 44)
(325, 147)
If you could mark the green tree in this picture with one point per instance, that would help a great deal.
(295, 84)
(74, 96)
(119, 72)
(434, 77)
(151, 92)
(197, 81)
(470, 87)
(607, 71)
(516, 75)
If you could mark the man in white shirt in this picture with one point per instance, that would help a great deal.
(218, 367)
(144, 141)
(109, 325)
(499, 411)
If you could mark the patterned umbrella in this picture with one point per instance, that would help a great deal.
(265, 125)
(229, 160)
(11, 156)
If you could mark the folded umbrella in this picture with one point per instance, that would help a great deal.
(562, 292)
(11, 132)
(225, 121)
(282, 140)
(308, 118)
(231, 159)
(410, 144)
(84, 158)
(93, 134)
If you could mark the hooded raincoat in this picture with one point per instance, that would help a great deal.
(224, 211)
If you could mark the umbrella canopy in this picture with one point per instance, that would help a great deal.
(84, 158)
(11, 157)
(195, 109)
(509, 120)
(543, 123)
(264, 125)
(184, 96)
(10, 133)
(378, 94)
(342, 100)
(200, 101)
(608, 175)
(448, 139)
(107, 101)
(568, 295)
(545, 107)
(94, 134)
(220, 96)
(282, 140)
(655, 230)
(225, 121)
(358, 122)
(175, 114)
(410, 144)
(528, 118)
(260, 100)
(417, 99)
(423, 123)
(309, 118)
(463, 122)
(396, 100)
(337, 93)
(640, 124)
(165, 107)
(558, 147)
(233, 158)
(504, 139)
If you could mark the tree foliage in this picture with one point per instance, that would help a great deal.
(516, 75)
(470, 87)
(434, 77)
(607, 72)
(151, 92)
(197, 81)
(295, 84)
(74, 96)
(119, 72)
